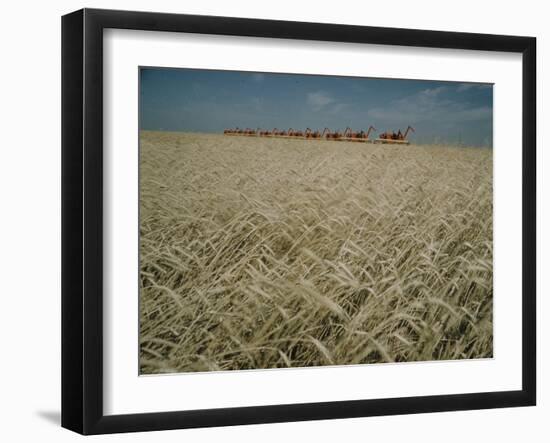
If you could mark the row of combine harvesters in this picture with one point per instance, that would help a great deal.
(348, 135)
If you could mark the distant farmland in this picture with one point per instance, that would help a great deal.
(271, 253)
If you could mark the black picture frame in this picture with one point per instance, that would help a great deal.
(82, 215)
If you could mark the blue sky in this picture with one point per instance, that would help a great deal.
(209, 101)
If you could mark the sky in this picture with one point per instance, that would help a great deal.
(198, 100)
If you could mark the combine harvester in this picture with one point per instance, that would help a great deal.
(329, 135)
(361, 136)
(231, 131)
(244, 132)
(395, 138)
(295, 133)
(313, 135)
(291, 133)
(278, 133)
(265, 133)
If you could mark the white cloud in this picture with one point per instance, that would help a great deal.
(322, 101)
(467, 86)
(481, 113)
(339, 107)
(429, 105)
(318, 100)
(433, 92)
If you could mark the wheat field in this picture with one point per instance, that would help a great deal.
(269, 253)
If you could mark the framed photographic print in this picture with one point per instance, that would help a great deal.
(269, 221)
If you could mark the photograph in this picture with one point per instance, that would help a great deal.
(293, 221)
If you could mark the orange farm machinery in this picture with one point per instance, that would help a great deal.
(309, 134)
(360, 136)
(396, 138)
